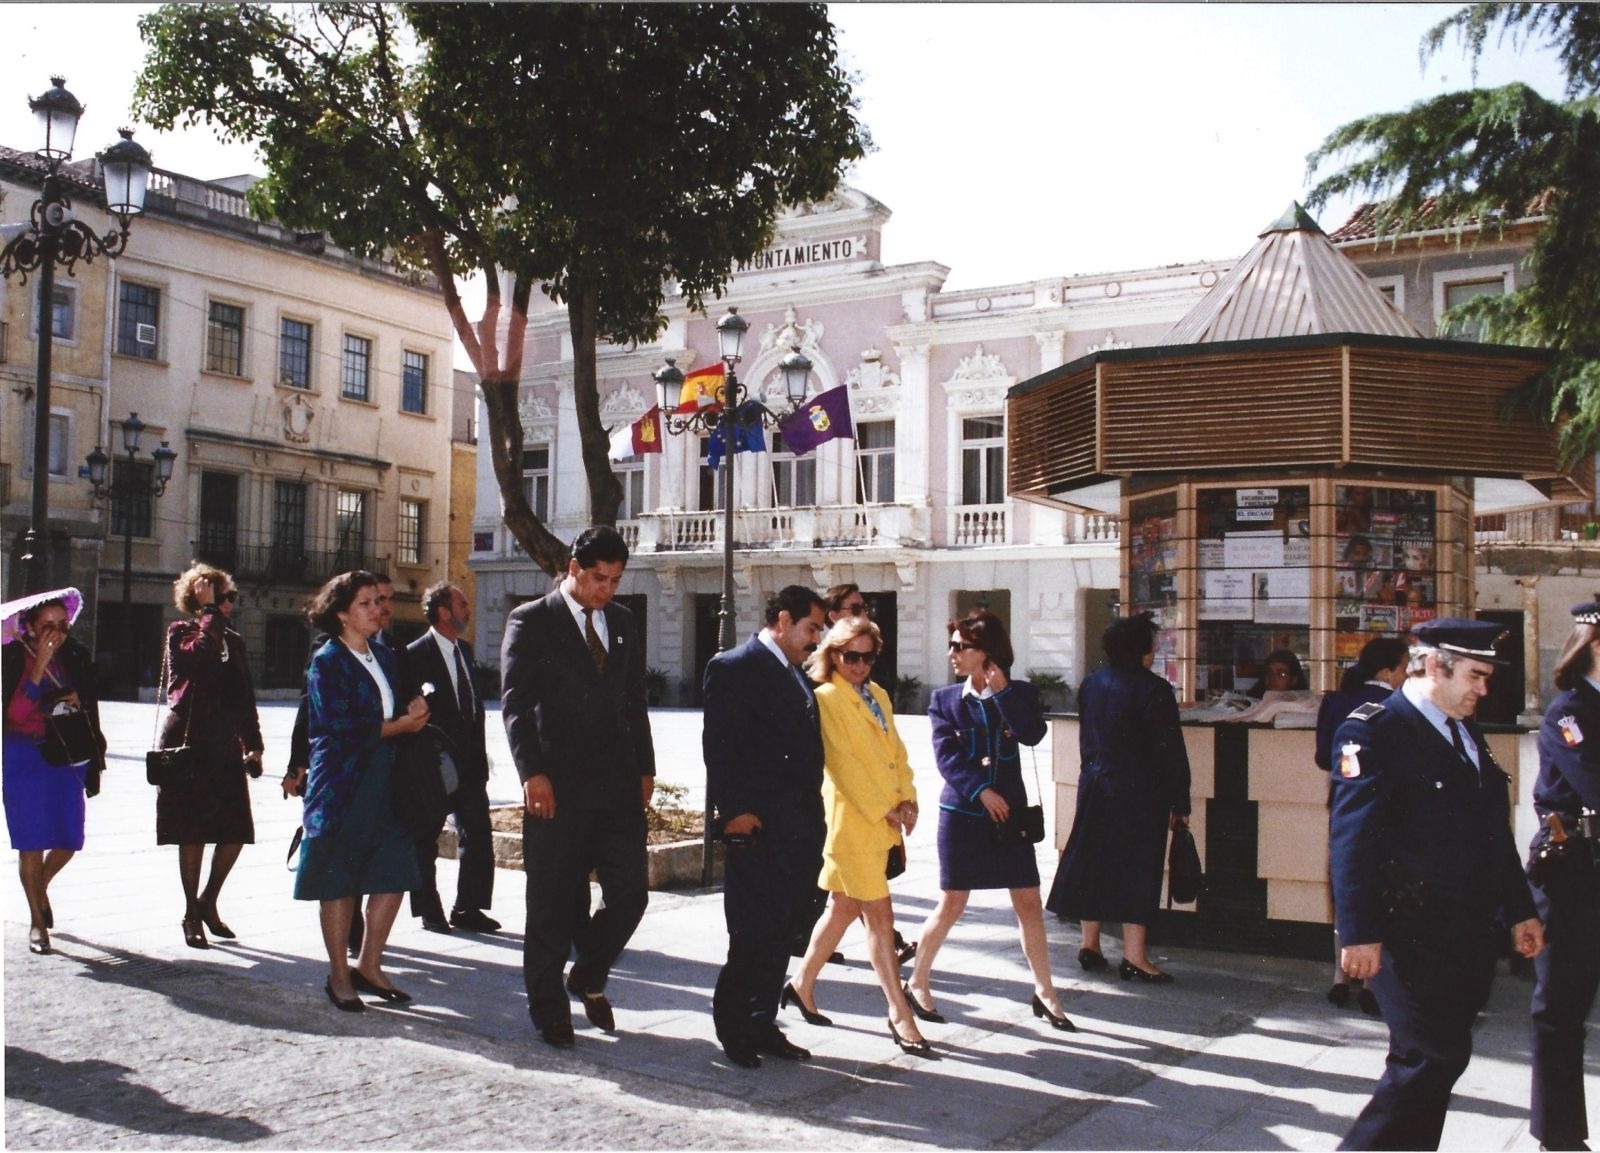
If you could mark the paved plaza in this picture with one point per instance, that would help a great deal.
(127, 1039)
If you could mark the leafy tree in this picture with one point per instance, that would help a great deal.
(1483, 157)
(597, 152)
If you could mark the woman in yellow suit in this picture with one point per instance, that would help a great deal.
(871, 804)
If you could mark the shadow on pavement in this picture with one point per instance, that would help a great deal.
(99, 1091)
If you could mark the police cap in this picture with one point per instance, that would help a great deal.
(1586, 614)
(1463, 637)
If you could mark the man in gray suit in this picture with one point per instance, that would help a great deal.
(573, 701)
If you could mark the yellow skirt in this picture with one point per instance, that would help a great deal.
(857, 875)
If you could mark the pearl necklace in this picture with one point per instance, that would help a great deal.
(366, 657)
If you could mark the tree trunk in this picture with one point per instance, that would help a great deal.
(548, 551)
(605, 491)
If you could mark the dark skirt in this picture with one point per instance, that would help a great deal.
(369, 852)
(969, 860)
(1111, 867)
(44, 802)
(212, 808)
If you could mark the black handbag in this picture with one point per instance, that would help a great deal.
(177, 766)
(1184, 875)
(68, 736)
(425, 779)
(897, 861)
(1024, 825)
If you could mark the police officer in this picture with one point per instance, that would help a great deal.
(1565, 888)
(1425, 874)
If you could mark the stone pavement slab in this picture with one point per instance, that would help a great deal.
(128, 1039)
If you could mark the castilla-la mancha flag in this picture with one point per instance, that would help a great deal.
(823, 417)
(702, 388)
(638, 438)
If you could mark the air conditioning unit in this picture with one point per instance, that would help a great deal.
(144, 333)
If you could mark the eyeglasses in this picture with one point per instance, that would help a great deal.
(962, 647)
(851, 657)
(857, 609)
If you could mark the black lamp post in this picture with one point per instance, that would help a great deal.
(735, 415)
(51, 237)
(125, 488)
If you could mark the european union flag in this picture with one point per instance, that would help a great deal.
(748, 434)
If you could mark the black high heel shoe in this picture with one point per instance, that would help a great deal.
(208, 914)
(353, 1005)
(193, 935)
(39, 940)
(1063, 1022)
(933, 1016)
(1131, 972)
(394, 996)
(1092, 961)
(812, 1017)
(915, 1048)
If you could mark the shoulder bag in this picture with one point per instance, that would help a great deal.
(1184, 875)
(1025, 825)
(165, 768)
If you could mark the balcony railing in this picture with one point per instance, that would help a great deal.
(265, 562)
(832, 526)
(974, 525)
(1538, 526)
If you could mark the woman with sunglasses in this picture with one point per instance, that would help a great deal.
(212, 705)
(871, 803)
(979, 725)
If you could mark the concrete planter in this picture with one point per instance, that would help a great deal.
(675, 865)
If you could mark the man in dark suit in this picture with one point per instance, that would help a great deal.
(763, 754)
(442, 659)
(573, 700)
(1426, 876)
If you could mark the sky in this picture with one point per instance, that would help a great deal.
(1013, 141)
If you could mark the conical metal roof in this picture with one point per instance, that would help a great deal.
(1294, 282)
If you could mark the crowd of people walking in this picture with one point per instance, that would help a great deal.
(814, 798)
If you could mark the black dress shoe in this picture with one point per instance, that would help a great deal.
(1131, 972)
(558, 1034)
(392, 995)
(812, 1017)
(835, 958)
(772, 1042)
(596, 1008)
(742, 1053)
(930, 1015)
(1092, 961)
(353, 1005)
(1368, 1002)
(435, 923)
(1042, 1011)
(915, 1048)
(1339, 994)
(906, 952)
(473, 921)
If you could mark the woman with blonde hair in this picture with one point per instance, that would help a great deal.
(212, 708)
(871, 803)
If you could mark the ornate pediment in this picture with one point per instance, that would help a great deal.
(978, 384)
(535, 412)
(979, 366)
(625, 404)
(792, 333)
(1110, 342)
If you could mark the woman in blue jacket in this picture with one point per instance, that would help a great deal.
(978, 725)
(1133, 786)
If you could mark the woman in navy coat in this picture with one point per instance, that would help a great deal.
(1133, 785)
(1567, 893)
(978, 725)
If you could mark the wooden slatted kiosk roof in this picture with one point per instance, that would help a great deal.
(1294, 361)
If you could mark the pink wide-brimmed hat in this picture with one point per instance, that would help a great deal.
(12, 612)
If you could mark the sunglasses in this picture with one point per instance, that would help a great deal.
(859, 608)
(962, 647)
(851, 657)
(229, 597)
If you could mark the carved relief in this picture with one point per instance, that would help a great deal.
(625, 403)
(1109, 342)
(792, 333)
(535, 413)
(297, 417)
(979, 366)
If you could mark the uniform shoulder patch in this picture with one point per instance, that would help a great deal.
(1367, 711)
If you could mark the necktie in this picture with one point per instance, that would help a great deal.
(800, 678)
(597, 648)
(463, 686)
(1461, 748)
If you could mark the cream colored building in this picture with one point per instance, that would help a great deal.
(308, 394)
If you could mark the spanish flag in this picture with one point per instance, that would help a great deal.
(702, 388)
(636, 439)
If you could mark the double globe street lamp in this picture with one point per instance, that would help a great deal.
(128, 486)
(53, 236)
(736, 416)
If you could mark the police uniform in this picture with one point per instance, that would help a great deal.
(1567, 893)
(1423, 862)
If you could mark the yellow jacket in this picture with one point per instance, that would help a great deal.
(865, 771)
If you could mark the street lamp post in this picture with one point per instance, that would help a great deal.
(736, 414)
(53, 237)
(126, 488)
